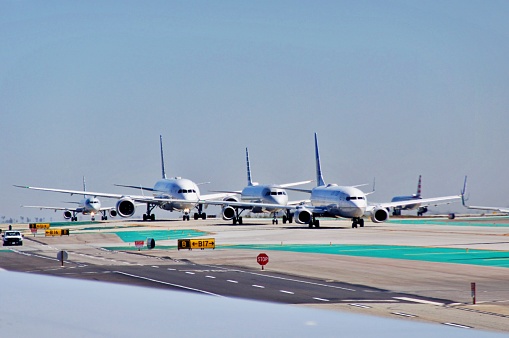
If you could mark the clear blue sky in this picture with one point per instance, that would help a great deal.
(394, 89)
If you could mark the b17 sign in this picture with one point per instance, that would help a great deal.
(203, 243)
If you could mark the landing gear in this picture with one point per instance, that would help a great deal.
(288, 217)
(396, 212)
(148, 216)
(74, 218)
(274, 218)
(314, 222)
(237, 220)
(104, 217)
(357, 221)
(199, 214)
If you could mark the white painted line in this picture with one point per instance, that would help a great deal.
(155, 266)
(321, 299)
(403, 314)
(369, 300)
(170, 269)
(258, 286)
(422, 301)
(458, 325)
(210, 277)
(190, 273)
(360, 305)
(166, 283)
(288, 292)
(231, 281)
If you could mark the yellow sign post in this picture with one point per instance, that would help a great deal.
(56, 232)
(38, 225)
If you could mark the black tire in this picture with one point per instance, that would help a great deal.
(152, 217)
(317, 224)
(203, 216)
(240, 221)
(234, 221)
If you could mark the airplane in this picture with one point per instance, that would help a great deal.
(171, 194)
(421, 208)
(258, 193)
(463, 199)
(332, 200)
(87, 206)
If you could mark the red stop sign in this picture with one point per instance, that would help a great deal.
(262, 259)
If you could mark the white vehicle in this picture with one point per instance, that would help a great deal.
(270, 194)
(87, 206)
(11, 237)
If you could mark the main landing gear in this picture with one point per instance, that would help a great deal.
(148, 216)
(288, 217)
(104, 217)
(357, 221)
(314, 222)
(199, 214)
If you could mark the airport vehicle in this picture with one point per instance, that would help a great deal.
(12, 237)
(171, 194)
(463, 199)
(87, 206)
(422, 208)
(332, 200)
(258, 193)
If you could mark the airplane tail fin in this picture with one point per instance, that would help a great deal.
(419, 187)
(249, 180)
(163, 172)
(319, 177)
(84, 187)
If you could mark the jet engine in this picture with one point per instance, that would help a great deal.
(302, 216)
(67, 214)
(228, 212)
(113, 213)
(379, 215)
(125, 207)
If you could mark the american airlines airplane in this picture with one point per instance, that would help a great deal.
(171, 194)
(87, 206)
(463, 199)
(421, 207)
(332, 200)
(269, 194)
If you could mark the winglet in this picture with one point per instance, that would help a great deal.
(319, 177)
(163, 173)
(463, 191)
(249, 181)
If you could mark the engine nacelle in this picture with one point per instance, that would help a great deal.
(67, 214)
(113, 213)
(379, 215)
(228, 213)
(125, 207)
(302, 216)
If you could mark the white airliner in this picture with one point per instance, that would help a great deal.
(332, 200)
(87, 206)
(269, 194)
(463, 199)
(172, 194)
(422, 208)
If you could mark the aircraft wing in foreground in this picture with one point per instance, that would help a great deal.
(464, 199)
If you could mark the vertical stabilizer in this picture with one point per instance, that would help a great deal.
(419, 187)
(163, 172)
(319, 177)
(84, 186)
(249, 181)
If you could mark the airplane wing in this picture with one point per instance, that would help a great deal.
(504, 210)
(423, 202)
(139, 187)
(247, 204)
(51, 208)
(209, 197)
(73, 192)
(286, 185)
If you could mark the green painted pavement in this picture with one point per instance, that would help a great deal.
(427, 254)
(157, 235)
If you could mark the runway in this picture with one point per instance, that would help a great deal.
(360, 276)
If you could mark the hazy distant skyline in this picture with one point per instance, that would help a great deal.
(394, 89)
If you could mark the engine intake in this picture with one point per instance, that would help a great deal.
(302, 216)
(228, 213)
(125, 207)
(67, 214)
(113, 213)
(379, 215)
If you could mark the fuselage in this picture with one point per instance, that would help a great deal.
(269, 194)
(407, 198)
(89, 205)
(348, 202)
(177, 188)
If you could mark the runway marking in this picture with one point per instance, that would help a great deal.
(258, 286)
(360, 305)
(166, 283)
(288, 292)
(210, 277)
(232, 281)
(321, 299)
(171, 269)
(370, 300)
(422, 301)
(155, 266)
(403, 314)
(190, 273)
(458, 325)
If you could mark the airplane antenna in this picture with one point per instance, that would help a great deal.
(419, 187)
(162, 157)
(249, 181)
(319, 177)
